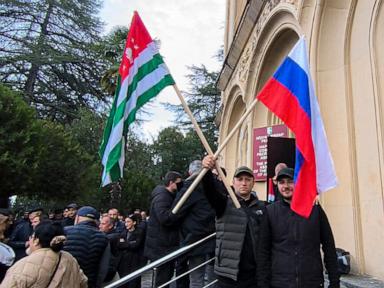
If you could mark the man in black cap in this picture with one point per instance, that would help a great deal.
(292, 243)
(237, 230)
(69, 218)
(88, 245)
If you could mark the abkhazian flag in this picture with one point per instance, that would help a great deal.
(291, 96)
(142, 75)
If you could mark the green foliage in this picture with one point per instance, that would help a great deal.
(136, 191)
(174, 150)
(49, 52)
(87, 129)
(19, 143)
(112, 46)
(63, 164)
(39, 158)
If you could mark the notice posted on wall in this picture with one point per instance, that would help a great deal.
(260, 150)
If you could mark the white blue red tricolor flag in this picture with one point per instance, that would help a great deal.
(290, 95)
(271, 192)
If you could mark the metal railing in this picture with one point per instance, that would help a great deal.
(153, 266)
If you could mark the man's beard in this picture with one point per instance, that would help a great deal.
(288, 198)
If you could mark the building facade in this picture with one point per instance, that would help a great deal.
(346, 50)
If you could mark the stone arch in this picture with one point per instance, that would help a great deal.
(277, 37)
(377, 62)
(280, 33)
(232, 113)
(376, 49)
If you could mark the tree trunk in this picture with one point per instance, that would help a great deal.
(115, 194)
(31, 80)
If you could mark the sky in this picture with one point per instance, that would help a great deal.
(191, 32)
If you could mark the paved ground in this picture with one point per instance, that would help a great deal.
(347, 281)
(353, 281)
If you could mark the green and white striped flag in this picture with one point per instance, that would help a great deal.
(142, 75)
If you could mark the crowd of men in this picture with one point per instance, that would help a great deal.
(257, 245)
(105, 245)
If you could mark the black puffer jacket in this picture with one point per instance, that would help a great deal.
(87, 244)
(162, 231)
(289, 251)
(197, 219)
(237, 232)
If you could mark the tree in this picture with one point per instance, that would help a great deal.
(48, 51)
(87, 129)
(113, 46)
(19, 139)
(174, 151)
(63, 165)
(39, 158)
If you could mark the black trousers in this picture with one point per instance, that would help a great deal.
(224, 282)
(164, 273)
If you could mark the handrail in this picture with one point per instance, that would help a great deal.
(187, 273)
(159, 262)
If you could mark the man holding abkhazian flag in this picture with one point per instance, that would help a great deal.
(142, 75)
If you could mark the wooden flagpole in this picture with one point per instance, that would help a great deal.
(220, 148)
(206, 146)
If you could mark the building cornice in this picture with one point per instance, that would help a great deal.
(243, 32)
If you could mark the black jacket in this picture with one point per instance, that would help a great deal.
(162, 231)
(289, 251)
(197, 219)
(131, 251)
(67, 222)
(113, 238)
(18, 238)
(88, 245)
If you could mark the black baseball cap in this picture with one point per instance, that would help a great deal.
(285, 173)
(72, 205)
(243, 170)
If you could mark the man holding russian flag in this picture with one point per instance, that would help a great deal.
(295, 228)
(292, 243)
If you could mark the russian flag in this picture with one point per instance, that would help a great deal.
(290, 95)
(271, 192)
